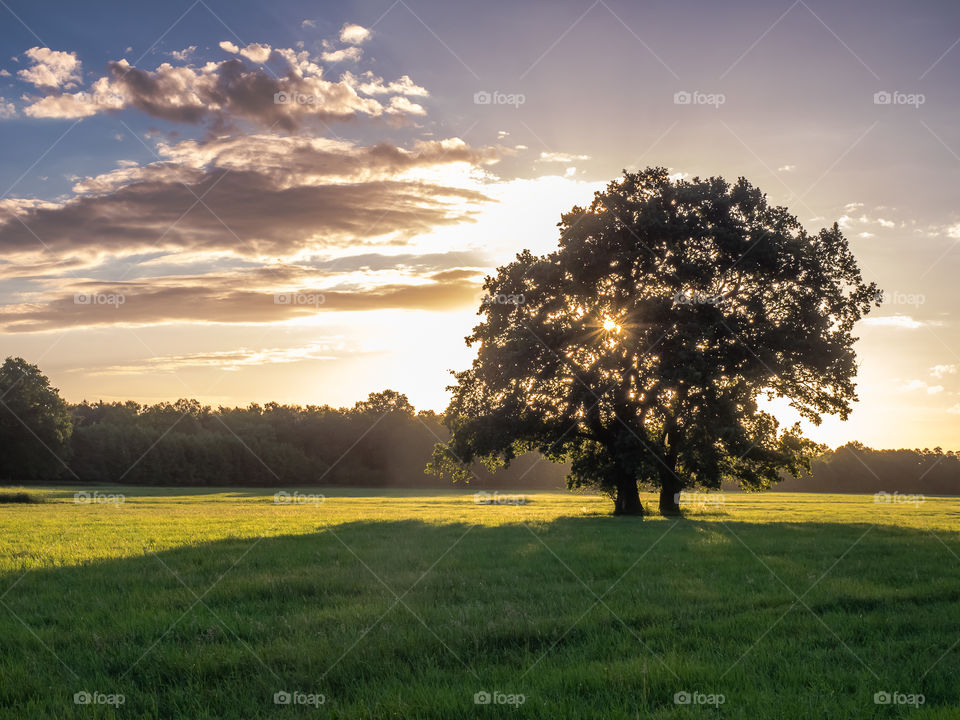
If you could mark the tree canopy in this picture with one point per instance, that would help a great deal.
(35, 424)
(640, 348)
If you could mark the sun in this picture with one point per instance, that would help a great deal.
(610, 325)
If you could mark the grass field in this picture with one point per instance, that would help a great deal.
(404, 604)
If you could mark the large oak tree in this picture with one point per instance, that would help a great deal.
(639, 350)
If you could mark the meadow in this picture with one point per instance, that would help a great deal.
(412, 604)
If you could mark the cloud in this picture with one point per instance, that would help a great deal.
(184, 54)
(401, 105)
(786, 168)
(352, 54)
(354, 34)
(216, 299)
(254, 52)
(938, 371)
(262, 195)
(232, 359)
(222, 94)
(370, 84)
(4, 73)
(886, 223)
(308, 24)
(561, 157)
(954, 231)
(7, 109)
(922, 385)
(51, 68)
(903, 322)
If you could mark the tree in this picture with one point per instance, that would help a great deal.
(35, 424)
(387, 401)
(639, 349)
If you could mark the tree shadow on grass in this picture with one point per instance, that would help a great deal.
(586, 617)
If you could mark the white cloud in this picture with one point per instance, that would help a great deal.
(254, 52)
(954, 231)
(51, 68)
(184, 54)
(399, 105)
(886, 223)
(370, 84)
(786, 168)
(955, 410)
(903, 322)
(561, 157)
(308, 24)
(938, 371)
(351, 54)
(7, 109)
(4, 73)
(354, 34)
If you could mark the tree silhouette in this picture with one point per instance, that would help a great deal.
(35, 424)
(639, 349)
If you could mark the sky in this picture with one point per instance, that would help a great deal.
(289, 201)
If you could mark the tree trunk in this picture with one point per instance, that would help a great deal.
(627, 501)
(670, 488)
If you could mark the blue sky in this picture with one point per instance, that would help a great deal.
(395, 192)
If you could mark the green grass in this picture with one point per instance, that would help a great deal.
(200, 603)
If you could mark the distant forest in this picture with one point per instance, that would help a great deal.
(381, 442)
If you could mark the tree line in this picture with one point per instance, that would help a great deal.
(382, 441)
